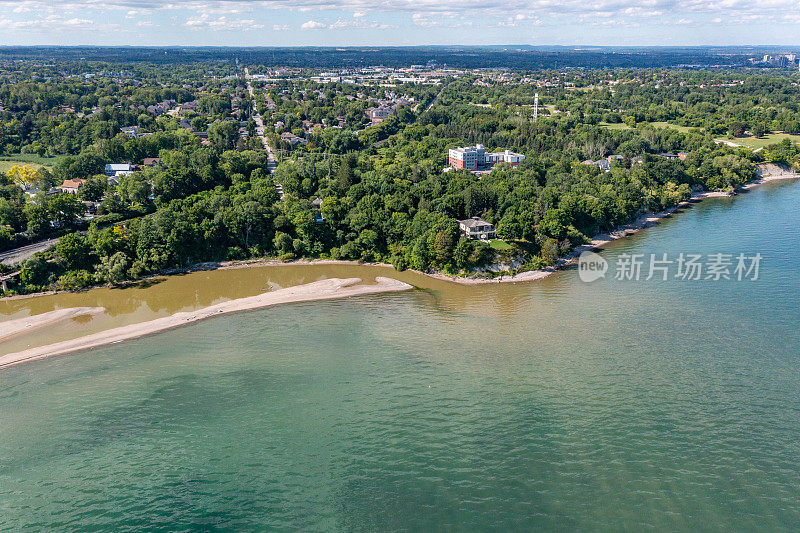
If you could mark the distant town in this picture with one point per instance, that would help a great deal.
(137, 167)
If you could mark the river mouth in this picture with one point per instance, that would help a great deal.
(558, 404)
(166, 295)
(162, 296)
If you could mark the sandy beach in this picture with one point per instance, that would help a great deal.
(12, 328)
(318, 290)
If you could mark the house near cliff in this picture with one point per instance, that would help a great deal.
(477, 228)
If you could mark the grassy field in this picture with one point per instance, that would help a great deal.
(771, 138)
(5, 166)
(31, 160)
(617, 126)
(623, 126)
(500, 245)
(684, 129)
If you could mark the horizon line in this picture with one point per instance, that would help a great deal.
(377, 46)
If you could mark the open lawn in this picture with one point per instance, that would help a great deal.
(623, 126)
(500, 245)
(771, 138)
(31, 160)
(684, 129)
(5, 166)
(617, 126)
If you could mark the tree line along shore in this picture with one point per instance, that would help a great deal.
(210, 195)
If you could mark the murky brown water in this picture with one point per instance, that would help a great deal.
(554, 405)
(164, 296)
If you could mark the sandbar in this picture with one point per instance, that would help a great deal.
(18, 326)
(318, 290)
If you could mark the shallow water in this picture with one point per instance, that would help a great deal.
(555, 404)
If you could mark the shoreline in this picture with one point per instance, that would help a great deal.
(331, 288)
(644, 221)
(20, 326)
(327, 289)
(598, 241)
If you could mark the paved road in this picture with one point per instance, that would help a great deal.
(271, 163)
(18, 255)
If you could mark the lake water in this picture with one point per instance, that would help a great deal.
(556, 404)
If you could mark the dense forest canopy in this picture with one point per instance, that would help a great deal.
(356, 188)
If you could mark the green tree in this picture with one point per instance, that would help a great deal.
(36, 217)
(134, 189)
(223, 135)
(759, 130)
(94, 188)
(74, 251)
(35, 271)
(113, 269)
(64, 209)
(345, 174)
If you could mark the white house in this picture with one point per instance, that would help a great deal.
(112, 169)
(116, 171)
(477, 228)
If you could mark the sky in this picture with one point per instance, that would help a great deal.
(400, 22)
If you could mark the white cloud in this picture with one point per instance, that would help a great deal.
(51, 23)
(244, 15)
(541, 8)
(76, 22)
(280, 27)
(312, 25)
(223, 23)
(23, 7)
(133, 13)
(420, 20)
(343, 24)
(520, 19)
(487, 12)
(358, 23)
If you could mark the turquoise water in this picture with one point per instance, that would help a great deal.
(560, 405)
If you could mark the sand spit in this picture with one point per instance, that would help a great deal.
(12, 328)
(318, 290)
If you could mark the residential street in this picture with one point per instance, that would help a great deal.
(272, 164)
